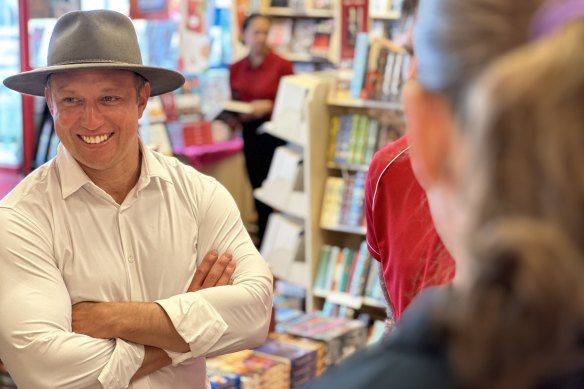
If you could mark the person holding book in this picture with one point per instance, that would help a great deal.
(496, 129)
(400, 231)
(99, 245)
(255, 79)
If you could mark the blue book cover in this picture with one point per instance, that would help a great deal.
(359, 64)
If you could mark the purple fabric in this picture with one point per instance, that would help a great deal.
(555, 14)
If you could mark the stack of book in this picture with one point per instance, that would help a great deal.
(301, 360)
(340, 336)
(309, 344)
(197, 133)
(254, 371)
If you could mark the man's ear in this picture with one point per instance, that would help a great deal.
(49, 100)
(143, 98)
(430, 130)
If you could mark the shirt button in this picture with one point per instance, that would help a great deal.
(131, 259)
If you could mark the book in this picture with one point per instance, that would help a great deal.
(359, 277)
(237, 106)
(332, 139)
(332, 201)
(302, 360)
(359, 64)
(332, 264)
(323, 262)
(280, 34)
(303, 35)
(321, 41)
(354, 19)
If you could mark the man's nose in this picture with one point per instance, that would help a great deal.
(92, 116)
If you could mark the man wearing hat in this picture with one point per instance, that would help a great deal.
(98, 247)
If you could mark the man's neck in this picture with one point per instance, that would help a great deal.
(120, 182)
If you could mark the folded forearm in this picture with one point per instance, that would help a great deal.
(142, 323)
(154, 359)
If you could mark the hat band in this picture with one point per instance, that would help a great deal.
(91, 61)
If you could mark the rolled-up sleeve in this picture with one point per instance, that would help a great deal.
(36, 342)
(226, 318)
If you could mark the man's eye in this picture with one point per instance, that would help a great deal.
(70, 100)
(110, 99)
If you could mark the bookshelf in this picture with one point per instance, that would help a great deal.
(305, 32)
(300, 111)
(306, 220)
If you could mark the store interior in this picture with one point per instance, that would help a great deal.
(341, 105)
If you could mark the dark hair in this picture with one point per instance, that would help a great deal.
(409, 8)
(250, 18)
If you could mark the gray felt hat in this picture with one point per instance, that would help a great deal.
(94, 40)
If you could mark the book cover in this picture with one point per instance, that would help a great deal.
(332, 264)
(280, 34)
(359, 64)
(354, 19)
(323, 260)
(321, 42)
(332, 139)
(303, 35)
(299, 357)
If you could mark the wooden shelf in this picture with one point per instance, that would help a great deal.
(292, 204)
(371, 302)
(348, 300)
(391, 15)
(348, 166)
(349, 102)
(298, 138)
(303, 57)
(347, 229)
(293, 13)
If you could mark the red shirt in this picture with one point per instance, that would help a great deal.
(400, 231)
(249, 83)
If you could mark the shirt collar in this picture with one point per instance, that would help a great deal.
(73, 177)
(261, 65)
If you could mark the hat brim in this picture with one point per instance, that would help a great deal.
(33, 82)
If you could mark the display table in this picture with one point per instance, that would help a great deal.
(225, 162)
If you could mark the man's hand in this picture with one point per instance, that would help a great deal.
(213, 271)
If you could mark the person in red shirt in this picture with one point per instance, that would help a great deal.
(400, 231)
(255, 79)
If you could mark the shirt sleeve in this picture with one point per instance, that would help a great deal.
(36, 342)
(224, 319)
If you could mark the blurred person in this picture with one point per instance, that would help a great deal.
(255, 79)
(400, 231)
(496, 128)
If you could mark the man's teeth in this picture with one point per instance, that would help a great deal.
(95, 139)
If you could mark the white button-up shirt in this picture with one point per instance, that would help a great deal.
(64, 240)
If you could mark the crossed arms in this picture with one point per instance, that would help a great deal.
(147, 323)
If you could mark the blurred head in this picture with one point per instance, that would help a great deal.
(496, 126)
(255, 33)
(455, 41)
